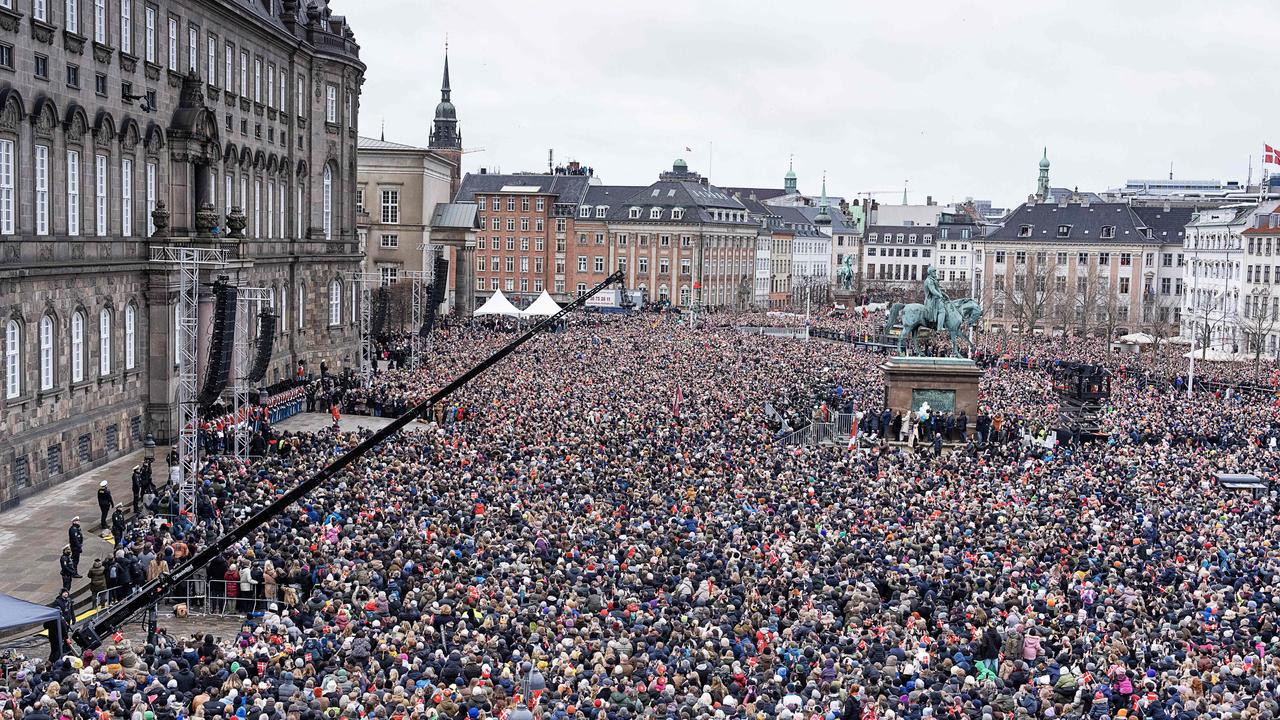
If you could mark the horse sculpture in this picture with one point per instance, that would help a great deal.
(961, 313)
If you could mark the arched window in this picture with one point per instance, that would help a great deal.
(104, 342)
(130, 336)
(328, 203)
(46, 352)
(12, 360)
(335, 303)
(77, 347)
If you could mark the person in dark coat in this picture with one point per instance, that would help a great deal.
(118, 525)
(105, 502)
(67, 568)
(75, 539)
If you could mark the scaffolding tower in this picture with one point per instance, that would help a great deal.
(366, 282)
(249, 301)
(420, 296)
(187, 262)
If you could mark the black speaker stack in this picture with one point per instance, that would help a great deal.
(435, 295)
(221, 344)
(381, 303)
(266, 339)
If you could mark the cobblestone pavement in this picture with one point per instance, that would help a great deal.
(33, 534)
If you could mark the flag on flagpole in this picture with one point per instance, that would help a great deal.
(688, 149)
(1270, 155)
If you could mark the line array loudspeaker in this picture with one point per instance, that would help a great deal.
(266, 339)
(221, 343)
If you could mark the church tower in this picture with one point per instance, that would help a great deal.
(1042, 185)
(789, 183)
(446, 139)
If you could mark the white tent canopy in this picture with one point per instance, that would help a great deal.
(498, 305)
(544, 306)
(1210, 355)
(1138, 338)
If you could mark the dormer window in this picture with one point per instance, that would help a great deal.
(602, 210)
(634, 213)
(677, 213)
(1108, 231)
(1065, 231)
(655, 213)
(584, 211)
(1026, 230)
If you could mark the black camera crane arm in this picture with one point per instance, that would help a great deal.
(89, 633)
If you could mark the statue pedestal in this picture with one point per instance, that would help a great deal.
(949, 385)
(848, 299)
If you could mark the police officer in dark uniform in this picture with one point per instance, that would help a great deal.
(75, 540)
(67, 568)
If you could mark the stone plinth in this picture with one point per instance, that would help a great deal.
(948, 384)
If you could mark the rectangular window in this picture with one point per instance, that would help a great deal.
(228, 63)
(73, 16)
(173, 44)
(6, 187)
(42, 67)
(126, 197)
(100, 195)
(100, 21)
(257, 208)
(150, 190)
(509, 263)
(390, 241)
(211, 62)
(298, 103)
(391, 207)
(524, 264)
(126, 26)
(244, 74)
(149, 47)
(282, 210)
(257, 79)
(42, 190)
(297, 218)
(271, 208)
(582, 263)
(73, 192)
(227, 183)
(40, 10)
(331, 104)
(193, 47)
(271, 85)
(73, 76)
(302, 300)
(284, 84)
(104, 343)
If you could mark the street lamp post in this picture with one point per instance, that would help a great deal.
(149, 448)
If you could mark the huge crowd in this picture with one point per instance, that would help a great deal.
(607, 525)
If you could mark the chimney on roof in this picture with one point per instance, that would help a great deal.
(928, 200)
(484, 171)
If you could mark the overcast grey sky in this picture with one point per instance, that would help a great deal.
(957, 97)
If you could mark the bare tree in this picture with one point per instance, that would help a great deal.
(1113, 310)
(1031, 293)
(1161, 320)
(1255, 324)
(1087, 297)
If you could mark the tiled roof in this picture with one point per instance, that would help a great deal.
(1084, 222)
(365, 143)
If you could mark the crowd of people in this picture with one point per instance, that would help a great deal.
(611, 528)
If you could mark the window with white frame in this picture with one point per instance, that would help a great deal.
(211, 63)
(391, 207)
(126, 197)
(104, 342)
(271, 85)
(73, 192)
(327, 209)
(100, 195)
(601, 210)
(77, 347)
(40, 10)
(302, 305)
(390, 241)
(126, 26)
(228, 66)
(655, 213)
(100, 21)
(12, 359)
(389, 275)
(257, 208)
(282, 209)
(150, 190)
(298, 230)
(193, 47)
(299, 95)
(257, 79)
(46, 352)
(173, 44)
(335, 303)
(582, 263)
(244, 74)
(227, 183)
(634, 213)
(42, 189)
(130, 337)
(271, 208)
(6, 187)
(284, 85)
(149, 44)
(73, 16)
(331, 104)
